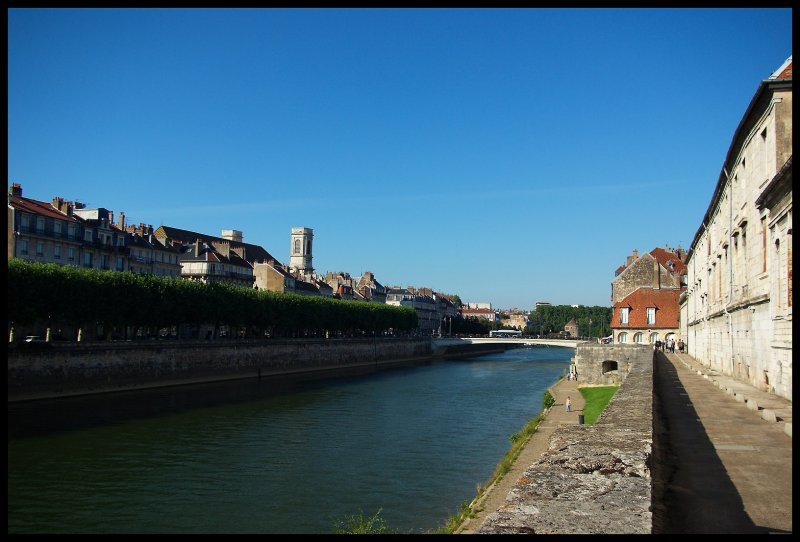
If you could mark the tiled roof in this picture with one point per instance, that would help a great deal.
(39, 208)
(209, 254)
(665, 256)
(253, 253)
(478, 311)
(666, 304)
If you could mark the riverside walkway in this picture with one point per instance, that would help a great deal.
(728, 462)
(723, 460)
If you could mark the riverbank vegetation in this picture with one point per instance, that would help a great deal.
(551, 319)
(596, 398)
(518, 441)
(63, 295)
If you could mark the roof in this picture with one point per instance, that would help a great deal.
(39, 208)
(665, 301)
(253, 253)
(210, 254)
(664, 258)
(479, 311)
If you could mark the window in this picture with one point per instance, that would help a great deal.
(651, 316)
(57, 226)
(57, 252)
(87, 235)
(764, 244)
(39, 248)
(40, 224)
(87, 259)
(637, 338)
(297, 246)
(26, 220)
(23, 246)
(623, 315)
(71, 254)
(71, 231)
(103, 261)
(653, 338)
(120, 265)
(622, 338)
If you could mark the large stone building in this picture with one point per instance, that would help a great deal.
(64, 233)
(644, 296)
(736, 315)
(208, 258)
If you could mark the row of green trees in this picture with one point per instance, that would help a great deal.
(75, 296)
(593, 321)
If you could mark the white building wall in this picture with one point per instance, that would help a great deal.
(736, 318)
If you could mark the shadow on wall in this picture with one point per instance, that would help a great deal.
(610, 373)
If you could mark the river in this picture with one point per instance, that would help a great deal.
(276, 455)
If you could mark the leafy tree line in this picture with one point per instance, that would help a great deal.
(593, 321)
(75, 296)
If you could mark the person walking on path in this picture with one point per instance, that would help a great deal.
(568, 403)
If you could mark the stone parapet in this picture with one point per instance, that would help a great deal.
(592, 479)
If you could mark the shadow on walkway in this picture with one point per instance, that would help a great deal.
(690, 481)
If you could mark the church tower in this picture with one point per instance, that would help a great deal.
(300, 255)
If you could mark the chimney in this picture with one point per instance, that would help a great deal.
(57, 202)
(656, 274)
(197, 248)
(16, 190)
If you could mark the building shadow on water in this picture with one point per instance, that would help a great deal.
(692, 492)
(48, 416)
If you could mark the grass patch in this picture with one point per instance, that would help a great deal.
(596, 400)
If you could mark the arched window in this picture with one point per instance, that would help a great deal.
(653, 338)
(637, 338)
(297, 246)
(622, 338)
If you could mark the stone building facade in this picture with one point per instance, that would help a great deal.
(64, 233)
(737, 312)
(644, 296)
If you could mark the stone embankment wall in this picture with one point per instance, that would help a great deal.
(68, 369)
(607, 365)
(593, 479)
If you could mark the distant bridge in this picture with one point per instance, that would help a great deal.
(441, 343)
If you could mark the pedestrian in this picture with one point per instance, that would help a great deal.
(568, 403)
(680, 346)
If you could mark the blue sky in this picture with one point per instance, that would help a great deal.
(505, 155)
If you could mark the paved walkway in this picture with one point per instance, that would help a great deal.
(557, 416)
(728, 462)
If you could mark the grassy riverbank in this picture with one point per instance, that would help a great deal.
(596, 400)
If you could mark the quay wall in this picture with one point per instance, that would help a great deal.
(593, 479)
(71, 369)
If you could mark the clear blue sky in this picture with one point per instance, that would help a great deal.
(505, 155)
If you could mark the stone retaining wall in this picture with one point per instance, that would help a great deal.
(71, 368)
(606, 364)
(593, 479)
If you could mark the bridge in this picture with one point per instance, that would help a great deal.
(438, 344)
